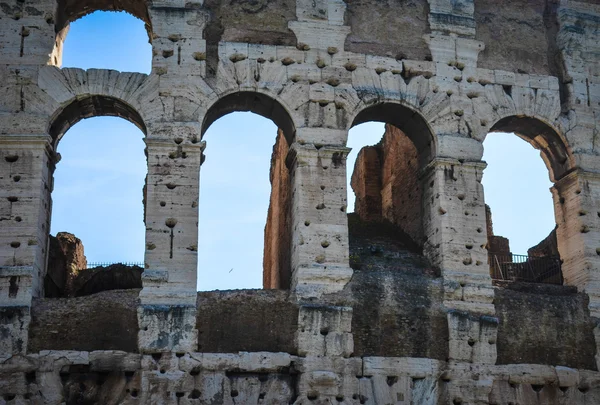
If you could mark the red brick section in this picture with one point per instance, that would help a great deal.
(276, 259)
(386, 183)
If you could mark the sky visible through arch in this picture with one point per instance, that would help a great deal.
(98, 184)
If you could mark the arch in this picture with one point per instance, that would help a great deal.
(536, 259)
(277, 231)
(88, 107)
(407, 120)
(554, 149)
(258, 103)
(68, 11)
(394, 164)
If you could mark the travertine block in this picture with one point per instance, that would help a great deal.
(325, 331)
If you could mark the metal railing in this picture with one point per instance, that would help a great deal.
(532, 269)
(92, 265)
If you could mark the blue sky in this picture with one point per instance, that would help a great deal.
(98, 183)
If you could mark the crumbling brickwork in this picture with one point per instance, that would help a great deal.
(387, 185)
(276, 259)
(373, 321)
(547, 247)
(66, 259)
(496, 244)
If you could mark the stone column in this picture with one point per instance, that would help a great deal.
(26, 166)
(577, 213)
(167, 314)
(455, 228)
(319, 254)
(456, 237)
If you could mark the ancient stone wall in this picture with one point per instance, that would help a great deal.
(535, 23)
(373, 321)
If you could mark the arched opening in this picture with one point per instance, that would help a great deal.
(245, 195)
(520, 211)
(105, 37)
(391, 146)
(97, 229)
(71, 10)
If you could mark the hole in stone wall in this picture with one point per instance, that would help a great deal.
(107, 40)
(243, 185)
(537, 387)
(520, 213)
(98, 184)
(383, 179)
(30, 377)
(385, 190)
(97, 197)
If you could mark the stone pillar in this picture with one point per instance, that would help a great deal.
(319, 220)
(327, 372)
(577, 213)
(26, 166)
(456, 237)
(167, 314)
(455, 228)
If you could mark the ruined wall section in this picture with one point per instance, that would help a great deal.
(276, 257)
(391, 304)
(65, 259)
(401, 191)
(520, 37)
(496, 244)
(544, 324)
(394, 303)
(103, 321)
(547, 247)
(257, 22)
(366, 184)
(247, 321)
(398, 34)
(386, 183)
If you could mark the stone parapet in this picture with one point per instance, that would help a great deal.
(455, 231)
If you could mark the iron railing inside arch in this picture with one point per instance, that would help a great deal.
(531, 269)
(93, 265)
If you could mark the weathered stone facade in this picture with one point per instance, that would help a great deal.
(395, 327)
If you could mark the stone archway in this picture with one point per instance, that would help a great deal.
(544, 261)
(277, 233)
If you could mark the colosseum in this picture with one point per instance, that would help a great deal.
(402, 302)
